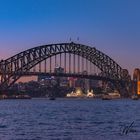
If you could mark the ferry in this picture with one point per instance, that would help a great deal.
(111, 95)
(134, 97)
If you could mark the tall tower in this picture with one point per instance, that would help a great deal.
(136, 81)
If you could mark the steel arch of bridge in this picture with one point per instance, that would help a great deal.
(24, 61)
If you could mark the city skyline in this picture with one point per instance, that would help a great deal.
(111, 26)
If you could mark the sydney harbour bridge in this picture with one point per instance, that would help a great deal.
(77, 60)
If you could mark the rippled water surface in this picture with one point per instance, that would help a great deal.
(69, 119)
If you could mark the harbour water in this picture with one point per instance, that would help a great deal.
(70, 119)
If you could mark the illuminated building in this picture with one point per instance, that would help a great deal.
(136, 81)
(138, 87)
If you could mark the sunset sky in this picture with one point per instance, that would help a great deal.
(113, 26)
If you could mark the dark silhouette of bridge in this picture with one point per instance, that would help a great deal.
(77, 60)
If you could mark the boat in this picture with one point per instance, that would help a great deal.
(106, 97)
(111, 95)
(114, 95)
(51, 95)
(52, 98)
(3, 96)
(134, 97)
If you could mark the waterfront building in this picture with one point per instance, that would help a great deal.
(61, 81)
(79, 82)
(94, 83)
(43, 78)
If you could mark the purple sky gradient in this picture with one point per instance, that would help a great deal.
(113, 26)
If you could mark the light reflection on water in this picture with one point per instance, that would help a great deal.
(69, 119)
